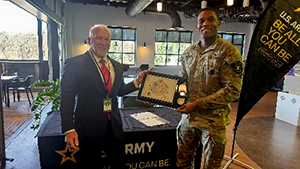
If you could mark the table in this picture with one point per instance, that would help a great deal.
(145, 147)
(6, 81)
(288, 108)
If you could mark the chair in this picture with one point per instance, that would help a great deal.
(132, 102)
(125, 67)
(8, 79)
(14, 73)
(144, 67)
(22, 85)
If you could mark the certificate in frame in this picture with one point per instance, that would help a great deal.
(163, 89)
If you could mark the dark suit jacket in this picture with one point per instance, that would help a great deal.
(81, 79)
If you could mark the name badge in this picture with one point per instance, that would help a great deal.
(107, 105)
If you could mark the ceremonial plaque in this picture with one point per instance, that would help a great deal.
(163, 89)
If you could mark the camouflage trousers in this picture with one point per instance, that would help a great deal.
(189, 138)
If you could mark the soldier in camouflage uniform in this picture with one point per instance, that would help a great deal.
(214, 69)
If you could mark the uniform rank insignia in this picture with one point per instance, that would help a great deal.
(237, 67)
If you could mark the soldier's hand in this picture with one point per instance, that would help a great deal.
(187, 108)
(148, 103)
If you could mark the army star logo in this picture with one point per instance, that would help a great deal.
(297, 10)
(68, 154)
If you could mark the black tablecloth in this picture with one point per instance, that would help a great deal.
(145, 147)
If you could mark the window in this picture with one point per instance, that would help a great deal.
(18, 39)
(45, 40)
(236, 39)
(123, 44)
(169, 45)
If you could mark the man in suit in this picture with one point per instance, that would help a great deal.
(90, 85)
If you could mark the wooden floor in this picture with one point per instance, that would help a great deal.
(16, 115)
(270, 142)
(25, 152)
(265, 107)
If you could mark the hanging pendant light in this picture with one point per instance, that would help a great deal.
(203, 4)
(159, 6)
(246, 3)
(230, 2)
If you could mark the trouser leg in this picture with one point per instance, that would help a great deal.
(108, 153)
(114, 149)
(188, 140)
(198, 157)
(214, 147)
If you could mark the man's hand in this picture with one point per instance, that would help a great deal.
(71, 140)
(187, 108)
(140, 77)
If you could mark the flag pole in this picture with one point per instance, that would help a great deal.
(232, 158)
(233, 141)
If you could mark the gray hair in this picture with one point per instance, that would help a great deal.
(98, 26)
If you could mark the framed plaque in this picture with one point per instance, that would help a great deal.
(163, 89)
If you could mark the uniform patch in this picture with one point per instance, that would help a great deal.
(237, 67)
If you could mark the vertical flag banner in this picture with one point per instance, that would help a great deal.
(274, 50)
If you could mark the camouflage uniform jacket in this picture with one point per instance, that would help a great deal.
(215, 80)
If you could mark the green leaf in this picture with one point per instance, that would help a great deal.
(51, 94)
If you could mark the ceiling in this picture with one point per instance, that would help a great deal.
(190, 8)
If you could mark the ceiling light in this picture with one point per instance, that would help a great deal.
(229, 2)
(203, 4)
(159, 6)
(246, 3)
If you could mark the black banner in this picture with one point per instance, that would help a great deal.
(274, 50)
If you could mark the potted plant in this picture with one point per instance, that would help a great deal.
(49, 96)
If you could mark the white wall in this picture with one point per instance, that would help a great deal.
(79, 19)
